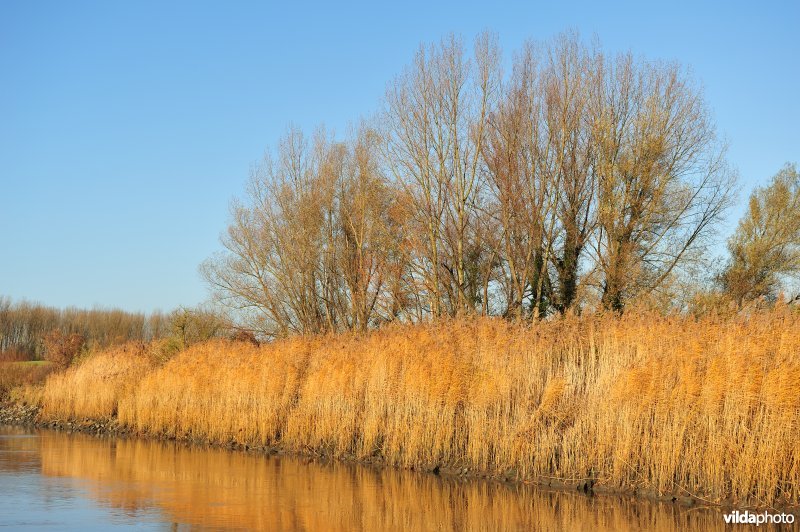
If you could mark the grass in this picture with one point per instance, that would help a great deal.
(18, 374)
(706, 407)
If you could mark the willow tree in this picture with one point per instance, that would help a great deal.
(662, 178)
(580, 175)
(307, 250)
(569, 161)
(766, 244)
(435, 123)
(522, 190)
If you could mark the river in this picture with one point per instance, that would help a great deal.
(60, 481)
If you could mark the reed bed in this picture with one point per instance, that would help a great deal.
(706, 407)
(94, 388)
(15, 375)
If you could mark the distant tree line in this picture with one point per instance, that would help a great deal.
(30, 331)
(23, 326)
(579, 180)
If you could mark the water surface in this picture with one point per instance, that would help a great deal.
(59, 481)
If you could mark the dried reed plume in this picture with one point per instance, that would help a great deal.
(673, 405)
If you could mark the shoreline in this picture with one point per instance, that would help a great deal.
(661, 408)
(20, 415)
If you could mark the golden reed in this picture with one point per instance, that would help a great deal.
(706, 407)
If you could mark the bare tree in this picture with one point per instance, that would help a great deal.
(542, 176)
(269, 270)
(662, 179)
(369, 238)
(191, 326)
(313, 248)
(579, 174)
(435, 123)
(61, 349)
(24, 326)
(569, 160)
(517, 187)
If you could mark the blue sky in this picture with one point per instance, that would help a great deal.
(127, 127)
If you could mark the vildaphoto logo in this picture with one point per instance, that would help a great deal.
(750, 518)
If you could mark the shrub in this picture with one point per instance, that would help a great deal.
(61, 349)
(246, 337)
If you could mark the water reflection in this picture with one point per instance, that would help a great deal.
(166, 485)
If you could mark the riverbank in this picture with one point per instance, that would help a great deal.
(21, 415)
(12, 413)
(146, 482)
(672, 408)
(28, 416)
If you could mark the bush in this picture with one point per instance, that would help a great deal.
(61, 349)
(246, 337)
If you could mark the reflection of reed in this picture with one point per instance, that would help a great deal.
(671, 404)
(212, 487)
(19, 450)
